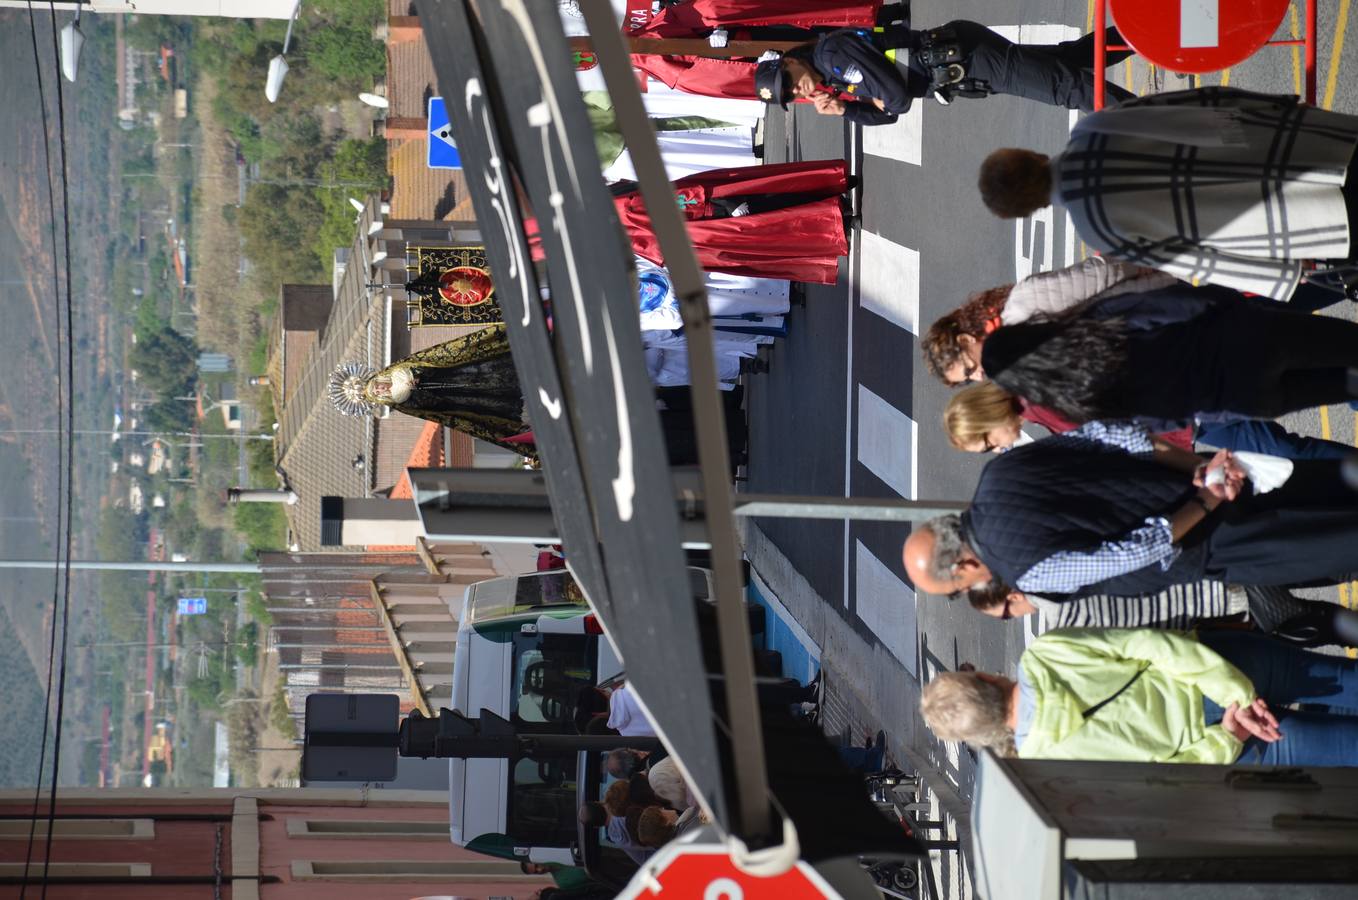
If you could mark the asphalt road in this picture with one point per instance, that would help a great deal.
(847, 387)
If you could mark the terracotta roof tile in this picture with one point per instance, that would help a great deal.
(419, 192)
(411, 80)
(426, 454)
(463, 451)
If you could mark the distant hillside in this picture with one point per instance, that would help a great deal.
(21, 711)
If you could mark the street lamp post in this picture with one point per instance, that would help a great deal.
(278, 66)
(71, 41)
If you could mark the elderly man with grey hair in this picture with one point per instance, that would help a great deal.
(1106, 509)
(1151, 695)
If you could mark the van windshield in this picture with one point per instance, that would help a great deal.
(554, 677)
(550, 592)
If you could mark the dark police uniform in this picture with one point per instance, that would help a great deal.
(854, 61)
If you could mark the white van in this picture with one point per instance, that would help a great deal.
(524, 644)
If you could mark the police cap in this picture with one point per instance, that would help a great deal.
(770, 80)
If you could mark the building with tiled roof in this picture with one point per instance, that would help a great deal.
(303, 310)
(321, 452)
(418, 192)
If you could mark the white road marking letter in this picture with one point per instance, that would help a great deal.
(1199, 23)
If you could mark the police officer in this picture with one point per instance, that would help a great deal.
(871, 75)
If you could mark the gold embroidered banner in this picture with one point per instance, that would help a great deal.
(449, 286)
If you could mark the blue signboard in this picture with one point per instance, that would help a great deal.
(192, 606)
(442, 148)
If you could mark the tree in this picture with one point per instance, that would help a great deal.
(360, 165)
(263, 525)
(275, 221)
(121, 534)
(169, 416)
(346, 56)
(148, 33)
(247, 651)
(166, 361)
(203, 691)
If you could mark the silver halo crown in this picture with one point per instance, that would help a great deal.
(346, 389)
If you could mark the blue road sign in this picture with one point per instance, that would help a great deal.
(442, 148)
(192, 606)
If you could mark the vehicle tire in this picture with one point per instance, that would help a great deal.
(905, 878)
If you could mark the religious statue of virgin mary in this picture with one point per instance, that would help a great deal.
(467, 384)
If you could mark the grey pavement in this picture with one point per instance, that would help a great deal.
(847, 365)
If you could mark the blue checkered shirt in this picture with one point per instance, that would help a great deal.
(1152, 543)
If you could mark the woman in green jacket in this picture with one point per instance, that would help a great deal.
(1148, 695)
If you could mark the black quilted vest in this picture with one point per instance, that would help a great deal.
(1058, 495)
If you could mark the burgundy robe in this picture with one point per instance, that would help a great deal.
(695, 18)
(730, 79)
(796, 243)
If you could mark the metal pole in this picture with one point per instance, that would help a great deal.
(861, 509)
(158, 434)
(338, 666)
(383, 646)
(1100, 50)
(450, 500)
(1311, 38)
(146, 566)
(373, 628)
(694, 47)
(750, 782)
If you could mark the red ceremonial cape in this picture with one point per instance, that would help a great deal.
(731, 79)
(695, 18)
(796, 243)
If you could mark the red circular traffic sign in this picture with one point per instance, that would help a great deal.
(1197, 35)
(705, 872)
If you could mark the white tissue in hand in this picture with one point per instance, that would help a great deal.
(1265, 472)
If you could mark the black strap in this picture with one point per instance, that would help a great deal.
(1107, 700)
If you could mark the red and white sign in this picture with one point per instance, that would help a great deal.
(706, 872)
(1197, 35)
(638, 15)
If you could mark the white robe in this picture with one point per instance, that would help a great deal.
(690, 152)
(727, 296)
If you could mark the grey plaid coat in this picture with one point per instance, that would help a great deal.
(1211, 185)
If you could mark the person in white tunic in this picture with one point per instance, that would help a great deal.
(747, 313)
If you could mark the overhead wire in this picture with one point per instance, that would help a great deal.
(65, 534)
(61, 586)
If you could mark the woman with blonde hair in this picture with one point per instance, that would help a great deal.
(984, 418)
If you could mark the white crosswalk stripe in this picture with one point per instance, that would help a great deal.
(886, 604)
(889, 283)
(902, 141)
(887, 439)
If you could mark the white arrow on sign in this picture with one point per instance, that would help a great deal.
(444, 133)
(1199, 22)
